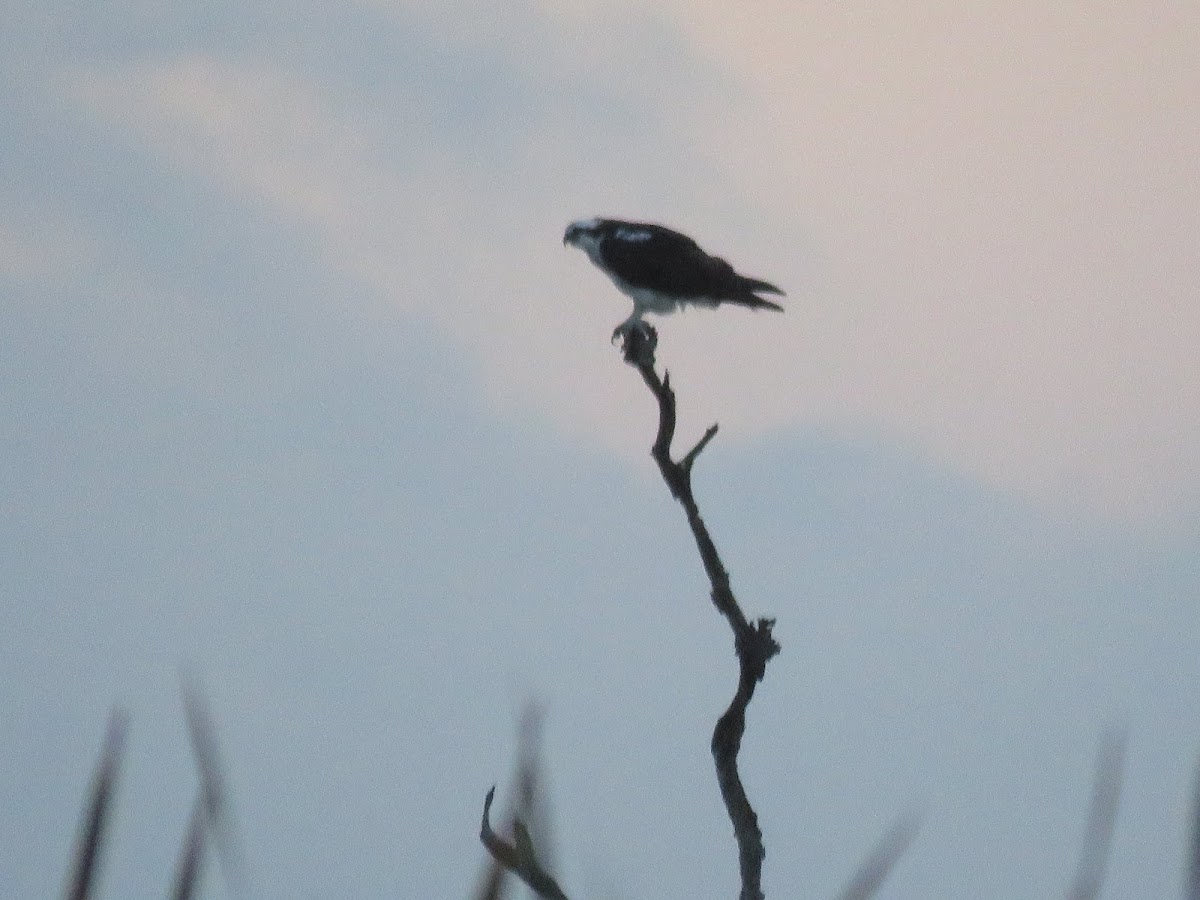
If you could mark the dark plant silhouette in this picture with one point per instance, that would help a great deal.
(1192, 875)
(529, 816)
(518, 857)
(210, 814)
(879, 862)
(93, 830)
(1102, 818)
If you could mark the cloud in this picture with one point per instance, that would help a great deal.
(1003, 204)
(275, 140)
(455, 220)
(983, 220)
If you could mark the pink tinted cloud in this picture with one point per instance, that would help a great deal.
(984, 220)
(1004, 203)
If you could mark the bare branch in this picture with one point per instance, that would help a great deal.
(505, 853)
(688, 460)
(93, 828)
(518, 857)
(532, 813)
(753, 643)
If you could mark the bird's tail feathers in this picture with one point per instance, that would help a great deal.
(753, 302)
(747, 293)
(756, 286)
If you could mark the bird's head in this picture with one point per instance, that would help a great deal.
(582, 233)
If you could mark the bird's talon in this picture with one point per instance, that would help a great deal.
(626, 329)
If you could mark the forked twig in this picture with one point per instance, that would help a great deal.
(518, 857)
(531, 815)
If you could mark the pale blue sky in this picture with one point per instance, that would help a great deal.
(302, 390)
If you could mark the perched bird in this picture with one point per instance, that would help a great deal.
(663, 270)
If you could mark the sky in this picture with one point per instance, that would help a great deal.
(303, 395)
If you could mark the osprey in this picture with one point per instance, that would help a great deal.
(663, 270)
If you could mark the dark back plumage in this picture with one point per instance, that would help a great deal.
(661, 259)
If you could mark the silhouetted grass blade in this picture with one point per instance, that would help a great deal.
(187, 872)
(214, 800)
(98, 810)
(1192, 876)
(1102, 818)
(878, 865)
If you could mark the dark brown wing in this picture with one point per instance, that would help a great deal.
(657, 258)
(662, 260)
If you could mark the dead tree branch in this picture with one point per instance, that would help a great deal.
(518, 857)
(753, 642)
